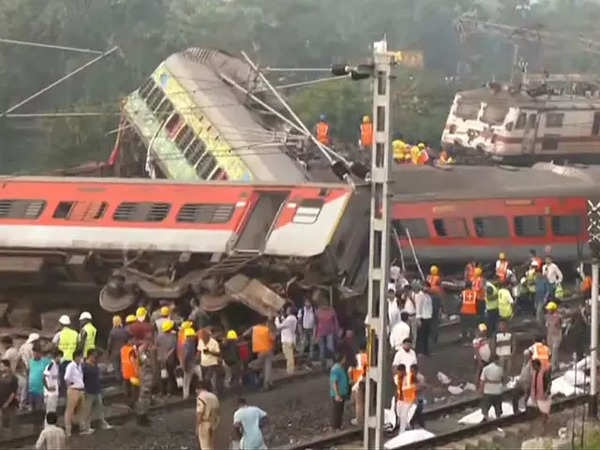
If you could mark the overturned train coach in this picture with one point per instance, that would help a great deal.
(160, 239)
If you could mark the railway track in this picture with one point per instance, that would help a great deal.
(342, 438)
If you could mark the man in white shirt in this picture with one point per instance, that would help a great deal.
(552, 274)
(306, 317)
(51, 382)
(74, 383)
(287, 327)
(52, 437)
(393, 308)
(210, 354)
(424, 314)
(400, 331)
(405, 355)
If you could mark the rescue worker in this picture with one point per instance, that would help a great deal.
(146, 371)
(423, 155)
(406, 394)
(469, 274)
(534, 258)
(491, 307)
(358, 374)
(540, 351)
(130, 319)
(445, 158)
(399, 149)
(181, 340)
(66, 341)
(322, 131)
(504, 345)
(505, 302)
(436, 292)
(553, 332)
(530, 276)
(502, 267)
(479, 288)
(415, 151)
(141, 329)
(366, 133)
(189, 360)
(468, 311)
(87, 333)
(165, 311)
(166, 346)
(130, 371)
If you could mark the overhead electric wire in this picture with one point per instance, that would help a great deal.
(56, 47)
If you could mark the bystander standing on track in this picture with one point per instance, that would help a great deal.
(51, 382)
(326, 332)
(541, 382)
(405, 354)
(339, 390)
(210, 354)
(75, 391)
(542, 295)
(553, 332)
(93, 405)
(424, 307)
(26, 354)
(306, 319)
(491, 387)
(52, 436)
(116, 339)
(358, 374)
(504, 345)
(35, 385)
(247, 425)
(287, 327)
(9, 387)
(399, 332)
(523, 384)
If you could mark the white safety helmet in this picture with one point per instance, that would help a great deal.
(64, 320)
(85, 316)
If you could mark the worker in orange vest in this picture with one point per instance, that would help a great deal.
(358, 376)
(445, 158)
(468, 311)
(406, 394)
(540, 351)
(366, 133)
(130, 371)
(181, 341)
(502, 267)
(470, 271)
(479, 288)
(322, 130)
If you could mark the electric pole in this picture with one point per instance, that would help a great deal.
(377, 315)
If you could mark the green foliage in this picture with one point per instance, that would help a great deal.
(285, 33)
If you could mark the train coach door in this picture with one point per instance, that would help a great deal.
(530, 133)
(596, 124)
(258, 225)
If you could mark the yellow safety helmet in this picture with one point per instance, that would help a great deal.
(478, 271)
(135, 381)
(117, 321)
(141, 312)
(231, 334)
(502, 255)
(366, 119)
(167, 326)
(165, 311)
(434, 270)
(482, 327)
(130, 318)
(551, 306)
(186, 324)
(189, 332)
(421, 145)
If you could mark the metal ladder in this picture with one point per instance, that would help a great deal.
(231, 263)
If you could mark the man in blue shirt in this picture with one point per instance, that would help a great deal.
(247, 422)
(339, 390)
(37, 365)
(92, 402)
(542, 295)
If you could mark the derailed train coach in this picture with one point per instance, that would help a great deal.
(159, 239)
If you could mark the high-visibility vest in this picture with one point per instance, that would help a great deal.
(180, 344)
(360, 370)
(323, 133)
(491, 300)
(586, 284)
(67, 342)
(129, 366)
(399, 150)
(90, 338)
(559, 293)
(504, 305)
(262, 340)
(469, 302)
(502, 270)
(479, 287)
(541, 352)
(414, 154)
(406, 388)
(423, 157)
(503, 344)
(530, 280)
(435, 281)
(366, 134)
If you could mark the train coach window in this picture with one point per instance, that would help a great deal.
(566, 225)
(417, 228)
(21, 209)
(205, 213)
(308, 210)
(141, 212)
(147, 88)
(491, 227)
(82, 211)
(554, 120)
(530, 226)
(550, 142)
(451, 227)
(521, 121)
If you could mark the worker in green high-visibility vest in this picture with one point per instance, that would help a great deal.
(87, 333)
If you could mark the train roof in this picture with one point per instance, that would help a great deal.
(425, 183)
(522, 99)
(261, 149)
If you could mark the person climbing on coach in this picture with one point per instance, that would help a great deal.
(87, 333)
(322, 130)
